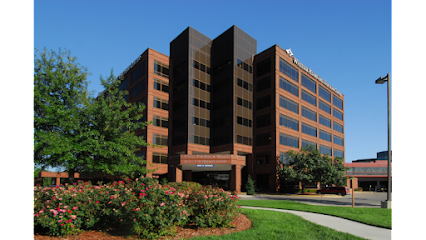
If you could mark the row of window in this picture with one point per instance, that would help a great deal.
(244, 121)
(161, 103)
(244, 84)
(200, 122)
(289, 122)
(161, 85)
(139, 88)
(307, 82)
(201, 85)
(244, 103)
(294, 124)
(201, 67)
(284, 158)
(289, 87)
(138, 73)
(200, 140)
(160, 121)
(294, 107)
(244, 140)
(161, 69)
(201, 103)
(244, 66)
(159, 158)
(159, 139)
(309, 98)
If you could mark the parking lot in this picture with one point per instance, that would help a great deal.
(362, 199)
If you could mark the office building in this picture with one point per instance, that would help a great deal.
(223, 112)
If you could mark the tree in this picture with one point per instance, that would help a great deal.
(75, 130)
(250, 186)
(309, 166)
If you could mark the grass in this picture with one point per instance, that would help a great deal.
(278, 225)
(380, 217)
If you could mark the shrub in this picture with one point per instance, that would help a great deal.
(250, 186)
(151, 209)
(358, 189)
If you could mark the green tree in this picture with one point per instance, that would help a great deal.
(250, 186)
(309, 166)
(76, 131)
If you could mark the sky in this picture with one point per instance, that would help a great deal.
(345, 42)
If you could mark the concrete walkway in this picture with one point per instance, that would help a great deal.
(339, 224)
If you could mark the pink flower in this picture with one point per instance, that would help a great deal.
(121, 220)
(124, 203)
(41, 211)
(184, 212)
(72, 225)
(136, 209)
(60, 220)
(73, 216)
(62, 224)
(134, 219)
(162, 204)
(97, 202)
(74, 208)
(205, 196)
(143, 184)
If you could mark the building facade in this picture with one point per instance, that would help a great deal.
(221, 111)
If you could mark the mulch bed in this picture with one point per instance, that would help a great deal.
(240, 223)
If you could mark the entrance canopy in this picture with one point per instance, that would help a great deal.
(202, 163)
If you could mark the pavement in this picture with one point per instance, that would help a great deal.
(339, 224)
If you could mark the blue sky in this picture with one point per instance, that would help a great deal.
(347, 43)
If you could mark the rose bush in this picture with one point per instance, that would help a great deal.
(150, 209)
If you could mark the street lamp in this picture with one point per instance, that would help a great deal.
(381, 80)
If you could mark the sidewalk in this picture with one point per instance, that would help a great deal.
(339, 224)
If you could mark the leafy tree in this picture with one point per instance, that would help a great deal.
(79, 132)
(309, 166)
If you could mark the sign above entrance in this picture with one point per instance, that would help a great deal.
(205, 165)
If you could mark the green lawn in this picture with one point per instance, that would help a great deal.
(380, 217)
(277, 225)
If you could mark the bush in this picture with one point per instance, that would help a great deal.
(358, 189)
(150, 209)
(250, 186)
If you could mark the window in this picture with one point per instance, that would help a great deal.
(306, 143)
(289, 140)
(139, 88)
(201, 67)
(159, 139)
(325, 150)
(200, 140)
(289, 70)
(244, 84)
(263, 139)
(159, 158)
(244, 66)
(325, 135)
(338, 140)
(284, 158)
(244, 103)
(289, 87)
(289, 122)
(338, 153)
(200, 122)
(262, 158)
(124, 84)
(324, 121)
(289, 105)
(161, 85)
(263, 102)
(161, 103)
(324, 106)
(244, 121)
(324, 93)
(309, 98)
(201, 103)
(161, 69)
(140, 154)
(160, 121)
(244, 140)
(201, 85)
(263, 121)
(338, 114)
(138, 73)
(337, 102)
(338, 127)
(309, 83)
(309, 114)
(308, 129)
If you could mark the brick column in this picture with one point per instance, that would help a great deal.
(235, 178)
(174, 174)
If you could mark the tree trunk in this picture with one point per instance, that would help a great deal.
(71, 177)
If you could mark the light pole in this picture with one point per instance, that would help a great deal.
(381, 80)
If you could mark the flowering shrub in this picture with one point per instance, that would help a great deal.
(148, 207)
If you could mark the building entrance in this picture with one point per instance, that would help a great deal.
(214, 179)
